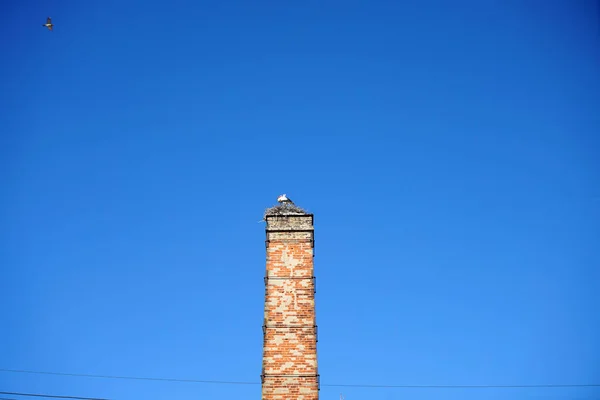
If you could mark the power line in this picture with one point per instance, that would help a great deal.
(467, 386)
(130, 377)
(51, 396)
(324, 385)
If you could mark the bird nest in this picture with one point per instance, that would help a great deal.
(284, 209)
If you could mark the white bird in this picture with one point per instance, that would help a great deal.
(283, 199)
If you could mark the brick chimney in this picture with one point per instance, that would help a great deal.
(289, 370)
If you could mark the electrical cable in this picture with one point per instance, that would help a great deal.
(323, 385)
(129, 377)
(51, 396)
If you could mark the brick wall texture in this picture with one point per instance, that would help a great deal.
(289, 370)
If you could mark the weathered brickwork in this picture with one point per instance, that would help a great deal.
(290, 330)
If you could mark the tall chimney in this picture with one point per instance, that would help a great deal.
(289, 370)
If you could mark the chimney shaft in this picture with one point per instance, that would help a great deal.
(289, 370)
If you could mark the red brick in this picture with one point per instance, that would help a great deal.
(290, 345)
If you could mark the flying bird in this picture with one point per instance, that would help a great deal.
(283, 199)
(48, 23)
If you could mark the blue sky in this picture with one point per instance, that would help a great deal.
(448, 149)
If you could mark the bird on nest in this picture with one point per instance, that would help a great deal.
(48, 23)
(284, 200)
